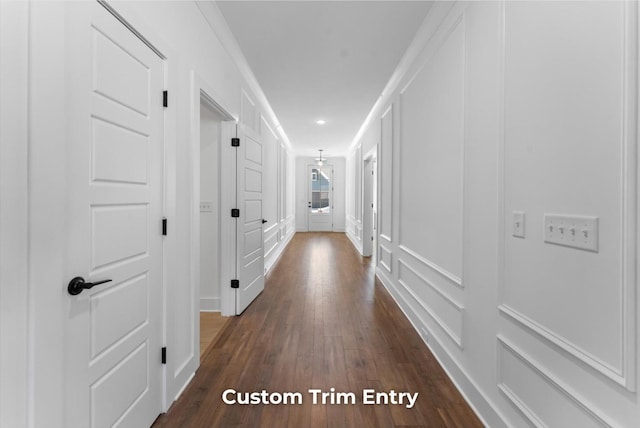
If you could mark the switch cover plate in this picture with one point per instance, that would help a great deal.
(572, 231)
(518, 224)
(206, 207)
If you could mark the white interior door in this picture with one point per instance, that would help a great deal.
(114, 330)
(250, 242)
(320, 205)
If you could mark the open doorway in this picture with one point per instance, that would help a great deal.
(370, 212)
(211, 320)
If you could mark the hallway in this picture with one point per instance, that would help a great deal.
(322, 321)
(164, 152)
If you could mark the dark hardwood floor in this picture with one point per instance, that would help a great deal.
(323, 321)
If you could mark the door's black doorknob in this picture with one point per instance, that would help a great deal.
(77, 284)
(264, 221)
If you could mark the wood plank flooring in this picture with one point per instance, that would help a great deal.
(322, 322)
(211, 323)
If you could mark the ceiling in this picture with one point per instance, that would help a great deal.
(325, 60)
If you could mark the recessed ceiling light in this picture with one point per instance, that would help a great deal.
(321, 121)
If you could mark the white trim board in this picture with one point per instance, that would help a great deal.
(478, 400)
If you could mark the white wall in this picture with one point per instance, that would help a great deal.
(210, 135)
(354, 195)
(14, 295)
(199, 51)
(302, 192)
(498, 107)
(369, 192)
(339, 193)
(279, 228)
(270, 181)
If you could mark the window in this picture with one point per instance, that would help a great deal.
(320, 191)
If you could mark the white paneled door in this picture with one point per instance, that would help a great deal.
(250, 242)
(115, 152)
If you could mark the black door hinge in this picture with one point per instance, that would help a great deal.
(235, 142)
(164, 227)
(235, 212)
(164, 355)
(235, 283)
(165, 98)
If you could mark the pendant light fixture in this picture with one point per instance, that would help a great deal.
(319, 160)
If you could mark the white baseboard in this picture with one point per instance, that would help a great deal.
(277, 252)
(354, 242)
(481, 405)
(209, 304)
(181, 390)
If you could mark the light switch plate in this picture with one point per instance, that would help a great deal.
(206, 206)
(572, 231)
(518, 224)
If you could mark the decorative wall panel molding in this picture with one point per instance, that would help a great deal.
(470, 389)
(270, 240)
(610, 307)
(264, 127)
(249, 113)
(271, 228)
(431, 150)
(385, 258)
(453, 279)
(562, 343)
(539, 395)
(445, 311)
(385, 176)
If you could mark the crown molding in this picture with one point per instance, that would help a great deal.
(218, 24)
(435, 16)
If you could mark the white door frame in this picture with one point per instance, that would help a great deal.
(309, 193)
(227, 194)
(201, 91)
(368, 229)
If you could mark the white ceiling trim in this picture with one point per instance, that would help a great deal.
(435, 16)
(218, 24)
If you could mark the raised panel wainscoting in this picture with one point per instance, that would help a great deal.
(482, 126)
